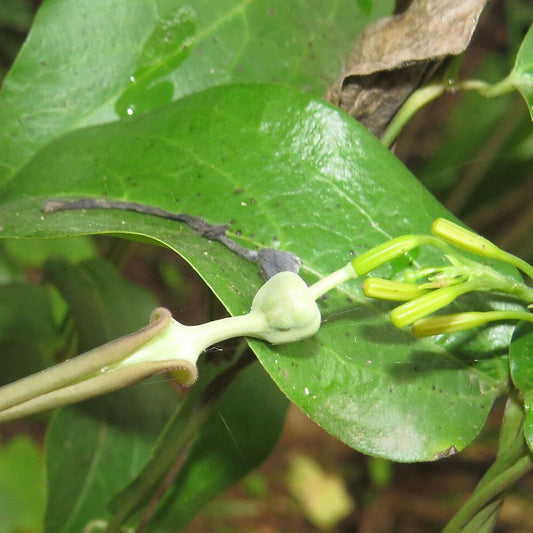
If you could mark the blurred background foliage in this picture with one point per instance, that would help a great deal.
(476, 156)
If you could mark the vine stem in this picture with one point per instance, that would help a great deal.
(432, 91)
(416, 101)
(488, 492)
(331, 281)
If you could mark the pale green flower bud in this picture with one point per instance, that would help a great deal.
(384, 289)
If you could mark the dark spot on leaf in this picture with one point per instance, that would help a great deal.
(253, 201)
(416, 368)
(238, 233)
(238, 191)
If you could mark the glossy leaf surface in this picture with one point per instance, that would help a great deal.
(284, 170)
(91, 61)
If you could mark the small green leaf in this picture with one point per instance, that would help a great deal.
(22, 487)
(240, 434)
(520, 360)
(522, 73)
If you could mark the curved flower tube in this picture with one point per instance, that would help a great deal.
(283, 310)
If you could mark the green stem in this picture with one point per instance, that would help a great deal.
(512, 423)
(414, 103)
(179, 432)
(485, 520)
(511, 464)
(331, 281)
(489, 492)
(489, 90)
(432, 91)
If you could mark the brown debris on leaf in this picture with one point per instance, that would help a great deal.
(395, 55)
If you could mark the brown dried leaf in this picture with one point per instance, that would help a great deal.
(396, 54)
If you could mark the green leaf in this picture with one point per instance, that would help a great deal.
(240, 434)
(29, 334)
(98, 298)
(522, 73)
(169, 48)
(102, 443)
(520, 357)
(30, 253)
(285, 170)
(22, 487)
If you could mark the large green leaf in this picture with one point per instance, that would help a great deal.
(284, 170)
(81, 56)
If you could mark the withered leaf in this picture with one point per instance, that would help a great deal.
(394, 55)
